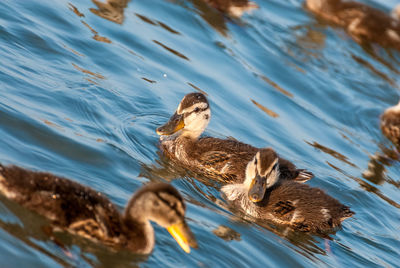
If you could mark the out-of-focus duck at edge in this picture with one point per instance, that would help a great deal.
(219, 159)
(390, 124)
(362, 22)
(85, 212)
(284, 202)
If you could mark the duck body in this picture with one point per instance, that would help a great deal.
(85, 212)
(390, 124)
(363, 23)
(263, 195)
(220, 159)
(296, 205)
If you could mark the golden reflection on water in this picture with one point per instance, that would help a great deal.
(276, 86)
(157, 23)
(265, 109)
(369, 66)
(173, 51)
(96, 35)
(226, 233)
(366, 186)
(197, 88)
(96, 75)
(112, 10)
(331, 152)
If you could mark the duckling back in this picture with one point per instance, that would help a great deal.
(66, 203)
(303, 207)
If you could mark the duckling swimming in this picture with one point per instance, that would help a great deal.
(86, 212)
(234, 8)
(216, 158)
(286, 202)
(362, 22)
(390, 124)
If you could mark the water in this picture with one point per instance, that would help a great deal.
(82, 91)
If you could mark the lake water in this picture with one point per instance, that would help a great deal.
(82, 90)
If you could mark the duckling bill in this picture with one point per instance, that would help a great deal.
(83, 211)
(264, 196)
(362, 22)
(219, 159)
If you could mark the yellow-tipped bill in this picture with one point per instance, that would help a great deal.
(183, 236)
(257, 188)
(174, 124)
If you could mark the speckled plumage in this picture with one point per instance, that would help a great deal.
(88, 213)
(220, 159)
(297, 205)
(363, 23)
(284, 202)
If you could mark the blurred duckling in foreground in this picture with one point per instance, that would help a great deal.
(215, 158)
(83, 211)
(233, 8)
(362, 22)
(263, 196)
(390, 124)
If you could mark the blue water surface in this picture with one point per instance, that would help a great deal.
(82, 89)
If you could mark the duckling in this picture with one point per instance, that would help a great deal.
(362, 22)
(83, 211)
(234, 8)
(263, 196)
(390, 124)
(220, 159)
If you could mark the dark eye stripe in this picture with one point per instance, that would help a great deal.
(173, 206)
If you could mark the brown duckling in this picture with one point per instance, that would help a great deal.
(83, 211)
(224, 159)
(390, 124)
(263, 196)
(362, 22)
(233, 8)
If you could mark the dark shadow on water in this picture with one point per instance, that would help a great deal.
(34, 230)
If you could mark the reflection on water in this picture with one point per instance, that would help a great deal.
(112, 10)
(226, 233)
(40, 236)
(331, 152)
(85, 84)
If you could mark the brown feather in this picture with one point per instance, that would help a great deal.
(83, 211)
(364, 23)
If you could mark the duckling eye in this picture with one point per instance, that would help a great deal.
(197, 110)
(275, 166)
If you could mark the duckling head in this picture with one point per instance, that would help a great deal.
(162, 204)
(261, 173)
(190, 118)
